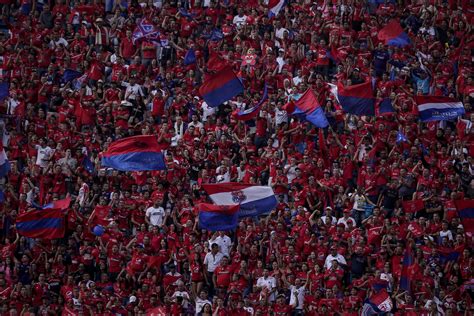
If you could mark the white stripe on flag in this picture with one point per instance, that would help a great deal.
(251, 194)
(440, 106)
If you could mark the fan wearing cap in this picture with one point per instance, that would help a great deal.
(334, 256)
(346, 218)
(328, 216)
(101, 33)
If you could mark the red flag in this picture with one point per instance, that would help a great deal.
(413, 206)
(289, 107)
(100, 216)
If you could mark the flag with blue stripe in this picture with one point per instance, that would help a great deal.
(218, 217)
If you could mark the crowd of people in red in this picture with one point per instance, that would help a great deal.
(340, 231)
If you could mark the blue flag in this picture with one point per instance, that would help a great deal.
(88, 165)
(184, 12)
(216, 35)
(386, 106)
(2, 196)
(70, 75)
(4, 90)
(190, 57)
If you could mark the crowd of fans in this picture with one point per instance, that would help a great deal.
(316, 253)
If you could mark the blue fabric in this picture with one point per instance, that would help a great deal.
(258, 207)
(5, 169)
(216, 35)
(224, 93)
(317, 118)
(44, 223)
(4, 90)
(70, 75)
(190, 57)
(386, 106)
(215, 221)
(135, 161)
(446, 114)
(401, 41)
(88, 165)
(357, 106)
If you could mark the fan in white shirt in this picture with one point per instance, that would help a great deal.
(155, 215)
(224, 242)
(334, 256)
(268, 283)
(44, 153)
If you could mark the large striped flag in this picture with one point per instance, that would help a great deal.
(218, 217)
(356, 99)
(435, 108)
(136, 153)
(308, 108)
(221, 87)
(254, 200)
(46, 224)
(393, 35)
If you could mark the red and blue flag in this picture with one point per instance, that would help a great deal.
(218, 217)
(136, 153)
(275, 7)
(466, 214)
(70, 75)
(393, 35)
(307, 107)
(145, 30)
(45, 224)
(356, 99)
(385, 106)
(436, 108)
(250, 113)
(190, 57)
(407, 265)
(449, 254)
(254, 200)
(221, 87)
(379, 303)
